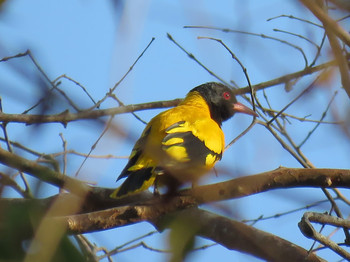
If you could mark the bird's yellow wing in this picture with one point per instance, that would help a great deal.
(193, 147)
(139, 170)
(193, 142)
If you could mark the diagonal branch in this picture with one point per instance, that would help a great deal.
(239, 236)
(327, 21)
(309, 231)
(43, 173)
(275, 179)
(333, 30)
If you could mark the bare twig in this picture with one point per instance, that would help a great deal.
(190, 55)
(240, 64)
(77, 83)
(95, 144)
(5, 180)
(10, 149)
(226, 30)
(333, 29)
(133, 113)
(241, 134)
(319, 122)
(277, 215)
(308, 230)
(288, 77)
(292, 102)
(117, 249)
(43, 173)
(124, 76)
(296, 18)
(52, 84)
(327, 21)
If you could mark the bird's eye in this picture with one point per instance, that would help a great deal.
(226, 95)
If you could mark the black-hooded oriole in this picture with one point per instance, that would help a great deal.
(181, 144)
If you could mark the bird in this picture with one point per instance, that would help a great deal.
(181, 144)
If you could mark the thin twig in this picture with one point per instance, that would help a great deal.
(196, 60)
(327, 21)
(262, 217)
(319, 122)
(10, 149)
(242, 133)
(123, 77)
(240, 64)
(117, 249)
(226, 30)
(297, 35)
(303, 119)
(296, 18)
(133, 113)
(77, 83)
(95, 144)
(295, 99)
(52, 84)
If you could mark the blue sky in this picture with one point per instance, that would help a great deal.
(95, 43)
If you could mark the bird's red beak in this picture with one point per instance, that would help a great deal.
(238, 107)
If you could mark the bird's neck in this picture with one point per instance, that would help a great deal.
(194, 99)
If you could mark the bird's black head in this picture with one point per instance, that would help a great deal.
(221, 100)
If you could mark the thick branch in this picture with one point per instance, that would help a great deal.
(309, 231)
(238, 236)
(98, 198)
(231, 234)
(275, 179)
(43, 173)
(333, 30)
(327, 21)
(145, 207)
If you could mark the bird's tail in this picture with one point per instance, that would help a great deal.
(136, 181)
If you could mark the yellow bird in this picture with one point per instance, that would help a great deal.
(183, 143)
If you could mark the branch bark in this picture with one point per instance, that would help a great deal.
(333, 30)
(275, 179)
(66, 116)
(146, 207)
(238, 236)
(97, 198)
(327, 21)
(309, 231)
(229, 233)
(43, 173)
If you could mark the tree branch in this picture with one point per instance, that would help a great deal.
(229, 233)
(66, 116)
(275, 179)
(146, 207)
(43, 173)
(309, 231)
(333, 30)
(327, 21)
(239, 236)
